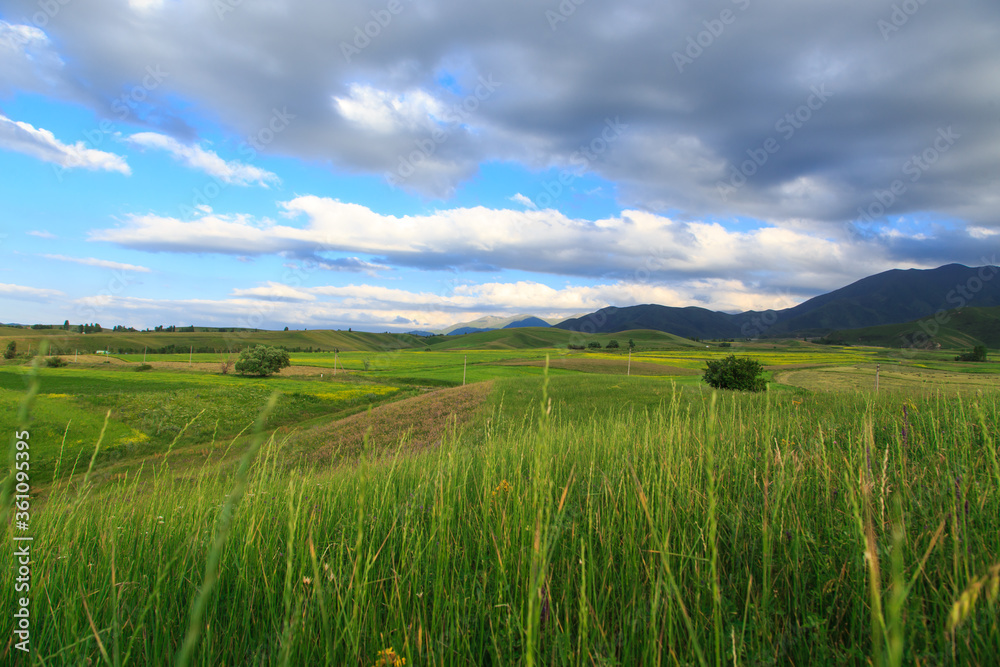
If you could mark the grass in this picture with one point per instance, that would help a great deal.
(576, 517)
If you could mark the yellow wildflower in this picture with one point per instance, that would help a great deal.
(388, 658)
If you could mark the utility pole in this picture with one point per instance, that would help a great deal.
(465, 369)
(629, 373)
(878, 367)
(144, 355)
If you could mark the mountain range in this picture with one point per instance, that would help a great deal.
(891, 297)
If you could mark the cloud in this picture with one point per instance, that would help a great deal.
(275, 291)
(102, 263)
(689, 127)
(377, 308)
(42, 144)
(195, 157)
(632, 246)
(41, 233)
(521, 199)
(23, 292)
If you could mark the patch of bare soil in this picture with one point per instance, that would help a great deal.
(422, 420)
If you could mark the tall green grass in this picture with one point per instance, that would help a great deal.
(749, 530)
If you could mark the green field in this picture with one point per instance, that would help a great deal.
(504, 500)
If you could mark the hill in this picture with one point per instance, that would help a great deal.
(537, 337)
(957, 329)
(528, 322)
(891, 297)
(67, 342)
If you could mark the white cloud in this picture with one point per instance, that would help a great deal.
(632, 246)
(21, 291)
(102, 263)
(378, 308)
(274, 290)
(233, 172)
(385, 112)
(521, 199)
(41, 233)
(43, 145)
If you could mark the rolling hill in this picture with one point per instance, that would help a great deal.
(957, 329)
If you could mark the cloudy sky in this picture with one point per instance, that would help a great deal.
(408, 164)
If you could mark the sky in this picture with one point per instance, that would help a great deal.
(405, 165)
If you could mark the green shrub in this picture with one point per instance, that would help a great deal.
(594, 345)
(143, 367)
(262, 361)
(736, 373)
(11, 350)
(612, 345)
(55, 362)
(978, 354)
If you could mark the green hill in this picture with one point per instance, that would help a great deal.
(956, 329)
(67, 342)
(542, 337)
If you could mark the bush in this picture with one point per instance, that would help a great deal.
(262, 361)
(736, 373)
(11, 350)
(612, 345)
(594, 345)
(978, 354)
(143, 367)
(55, 362)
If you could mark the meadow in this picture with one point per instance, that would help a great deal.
(556, 508)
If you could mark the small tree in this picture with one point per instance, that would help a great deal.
(978, 354)
(262, 361)
(736, 373)
(11, 350)
(631, 344)
(612, 345)
(594, 345)
(226, 363)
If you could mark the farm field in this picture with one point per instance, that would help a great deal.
(558, 507)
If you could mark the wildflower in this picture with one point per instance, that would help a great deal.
(502, 488)
(388, 658)
(307, 580)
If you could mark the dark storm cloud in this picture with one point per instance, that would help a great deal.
(806, 111)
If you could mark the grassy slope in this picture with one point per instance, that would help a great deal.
(540, 337)
(669, 532)
(135, 342)
(958, 330)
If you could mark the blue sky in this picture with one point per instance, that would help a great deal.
(268, 163)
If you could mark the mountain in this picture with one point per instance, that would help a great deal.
(956, 329)
(891, 297)
(490, 322)
(527, 322)
(461, 331)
